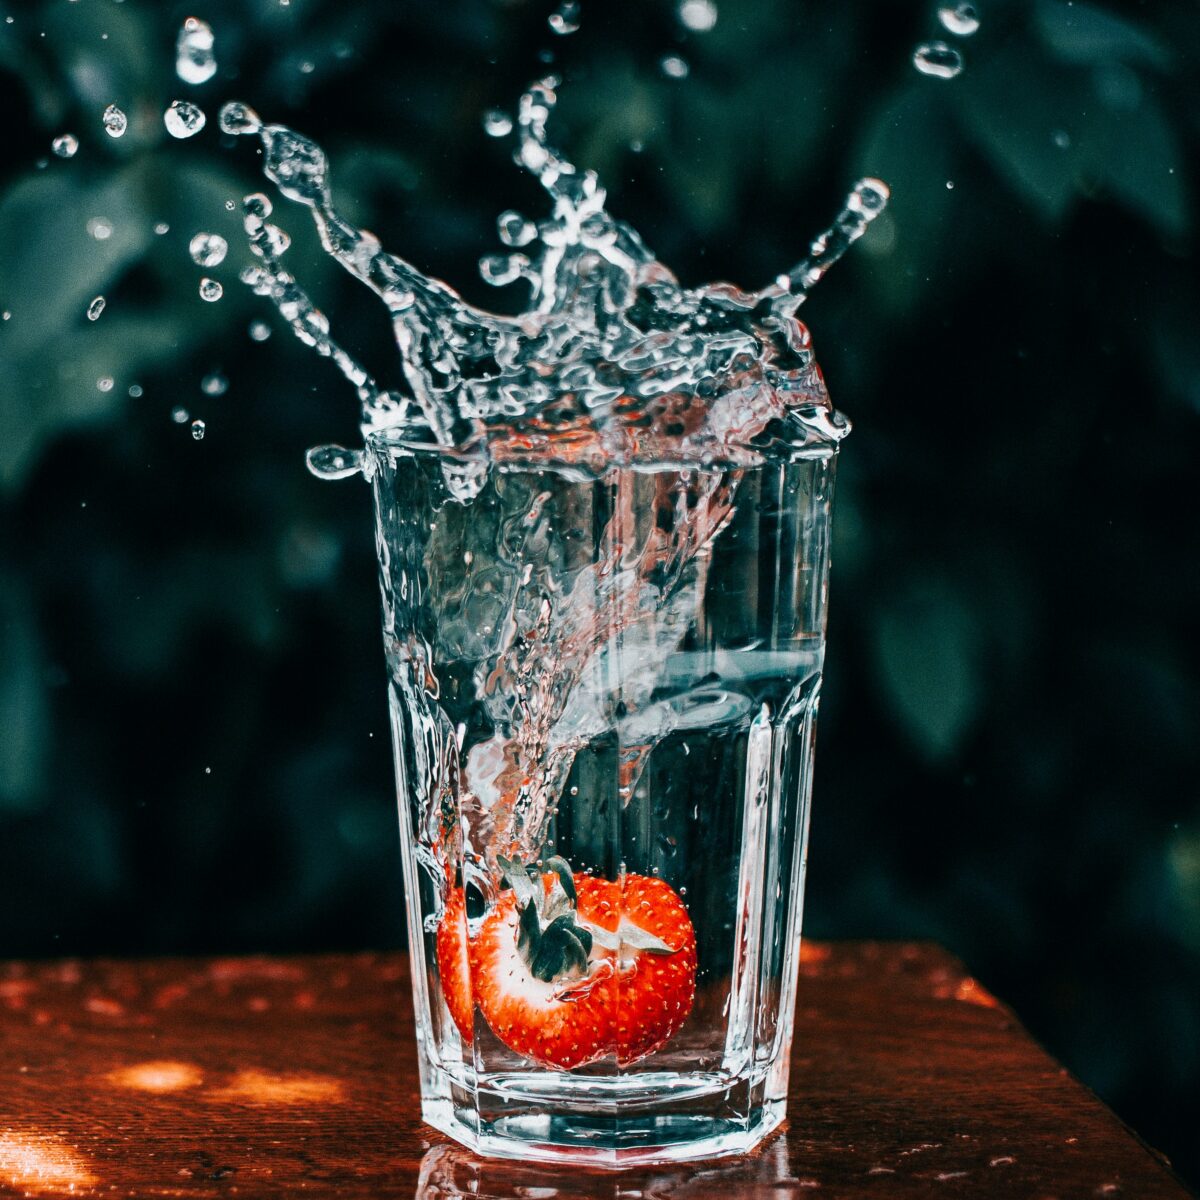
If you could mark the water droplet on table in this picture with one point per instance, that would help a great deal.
(96, 308)
(65, 145)
(210, 290)
(496, 123)
(183, 119)
(115, 121)
(208, 249)
(960, 19)
(198, 428)
(937, 60)
(194, 58)
(698, 15)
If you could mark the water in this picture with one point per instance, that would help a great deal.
(960, 19)
(195, 61)
(211, 290)
(937, 60)
(96, 308)
(602, 530)
(184, 119)
(208, 249)
(66, 145)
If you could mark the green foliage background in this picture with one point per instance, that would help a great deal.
(193, 751)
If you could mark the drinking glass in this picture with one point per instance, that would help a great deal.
(603, 695)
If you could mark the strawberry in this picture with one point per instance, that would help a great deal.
(454, 963)
(546, 972)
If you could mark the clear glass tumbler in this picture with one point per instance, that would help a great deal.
(603, 696)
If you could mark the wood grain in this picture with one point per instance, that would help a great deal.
(287, 1076)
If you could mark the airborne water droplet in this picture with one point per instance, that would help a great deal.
(698, 15)
(960, 19)
(514, 229)
(238, 118)
(210, 290)
(259, 331)
(674, 67)
(496, 123)
(208, 249)
(194, 59)
(96, 308)
(938, 60)
(100, 228)
(198, 428)
(115, 121)
(65, 145)
(565, 18)
(179, 415)
(183, 119)
(214, 385)
(105, 383)
(333, 462)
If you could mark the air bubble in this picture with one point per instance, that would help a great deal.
(210, 290)
(65, 145)
(184, 119)
(960, 19)
(96, 308)
(208, 249)
(194, 58)
(115, 121)
(937, 60)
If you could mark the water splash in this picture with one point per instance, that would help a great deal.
(115, 121)
(184, 119)
(195, 61)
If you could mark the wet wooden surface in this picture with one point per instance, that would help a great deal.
(286, 1076)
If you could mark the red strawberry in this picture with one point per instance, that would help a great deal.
(546, 975)
(454, 963)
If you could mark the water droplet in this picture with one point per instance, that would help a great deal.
(180, 415)
(669, 844)
(194, 58)
(565, 18)
(210, 290)
(333, 462)
(960, 19)
(135, 390)
(698, 15)
(674, 67)
(214, 385)
(183, 119)
(949, 185)
(115, 121)
(100, 228)
(198, 428)
(238, 118)
(514, 229)
(161, 228)
(499, 269)
(208, 249)
(307, 67)
(259, 331)
(105, 383)
(937, 59)
(1061, 138)
(65, 145)
(496, 123)
(96, 308)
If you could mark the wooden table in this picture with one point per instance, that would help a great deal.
(272, 1077)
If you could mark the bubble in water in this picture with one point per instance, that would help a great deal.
(937, 59)
(100, 228)
(180, 415)
(96, 308)
(65, 145)
(334, 462)
(115, 121)
(698, 15)
(565, 18)
(496, 123)
(259, 331)
(208, 249)
(514, 229)
(238, 118)
(210, 290)
(198, 428)
(105, 383)
(960, 19)
(674, 67)
(194, 58)
(183, 119)
(214, 385)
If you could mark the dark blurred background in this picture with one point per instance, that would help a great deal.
(193, 748)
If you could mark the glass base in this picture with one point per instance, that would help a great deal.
(632, 1121)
